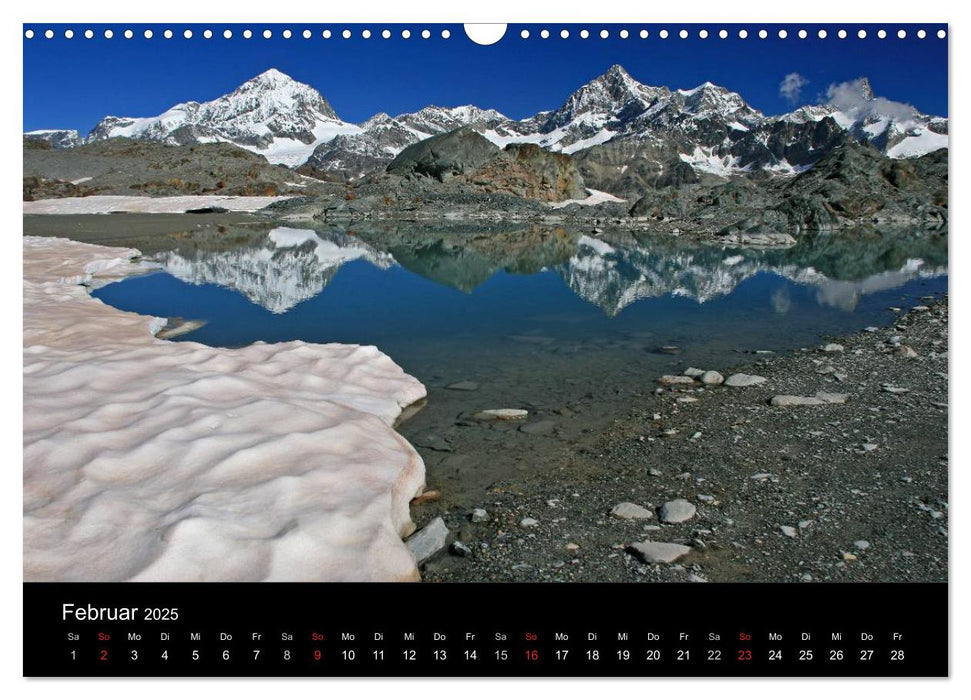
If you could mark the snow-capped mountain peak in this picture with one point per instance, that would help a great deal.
(608, 95)
(271, 114)
(274, 93)
(627, 131)
(55, 138)
(896, 128)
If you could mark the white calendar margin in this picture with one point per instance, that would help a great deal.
(437, 11)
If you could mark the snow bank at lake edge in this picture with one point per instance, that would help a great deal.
(149, 460)
(129, 204)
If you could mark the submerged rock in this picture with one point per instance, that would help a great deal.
(463, 386)
(542, 427)
(495, 414)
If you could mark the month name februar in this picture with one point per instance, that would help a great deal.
(91, 613)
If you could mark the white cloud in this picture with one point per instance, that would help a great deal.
(855, 97)
(791, 87)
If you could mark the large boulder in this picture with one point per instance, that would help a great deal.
(445, 155)
(855, 183)
(527, 170)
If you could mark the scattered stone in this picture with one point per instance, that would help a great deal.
(693, 372)
(821, 398)
(711, 377)
(862, 545)
(741, 379)
(654, 471)
(494, 414)
(460, 550)
(805, 524)
(907, 352)
(572, 546)
(695, 578)
(674, 379)
(891, 389)
(833, 347)
(631, 511)
(433, 442)
(659, 552)
(921, 308)
(687, 399)
(463, 386)
(669, 350)
(479, 515)
(428, 541)
(528, 522)
(849, 556)
(426, 497)
(677, 511)
(788, 530)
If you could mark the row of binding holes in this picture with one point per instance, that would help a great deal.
(724, 33)
(246, 34)
(445, 34)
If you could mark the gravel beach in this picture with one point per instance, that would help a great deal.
(834, 468)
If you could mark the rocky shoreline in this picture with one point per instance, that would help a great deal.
(830, 465)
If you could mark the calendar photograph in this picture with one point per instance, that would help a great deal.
(582, 304)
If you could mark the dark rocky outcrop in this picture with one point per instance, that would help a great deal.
(142, 167)
(526, 170)
(855, 183)
(41, 188)
(444, 156)
(464, 158)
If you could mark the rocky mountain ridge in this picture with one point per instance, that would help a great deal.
(624, 134)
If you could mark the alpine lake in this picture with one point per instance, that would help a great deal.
(571, 326)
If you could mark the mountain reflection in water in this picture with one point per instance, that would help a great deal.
(403, 285)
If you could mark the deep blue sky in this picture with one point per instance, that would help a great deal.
(74, 83)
